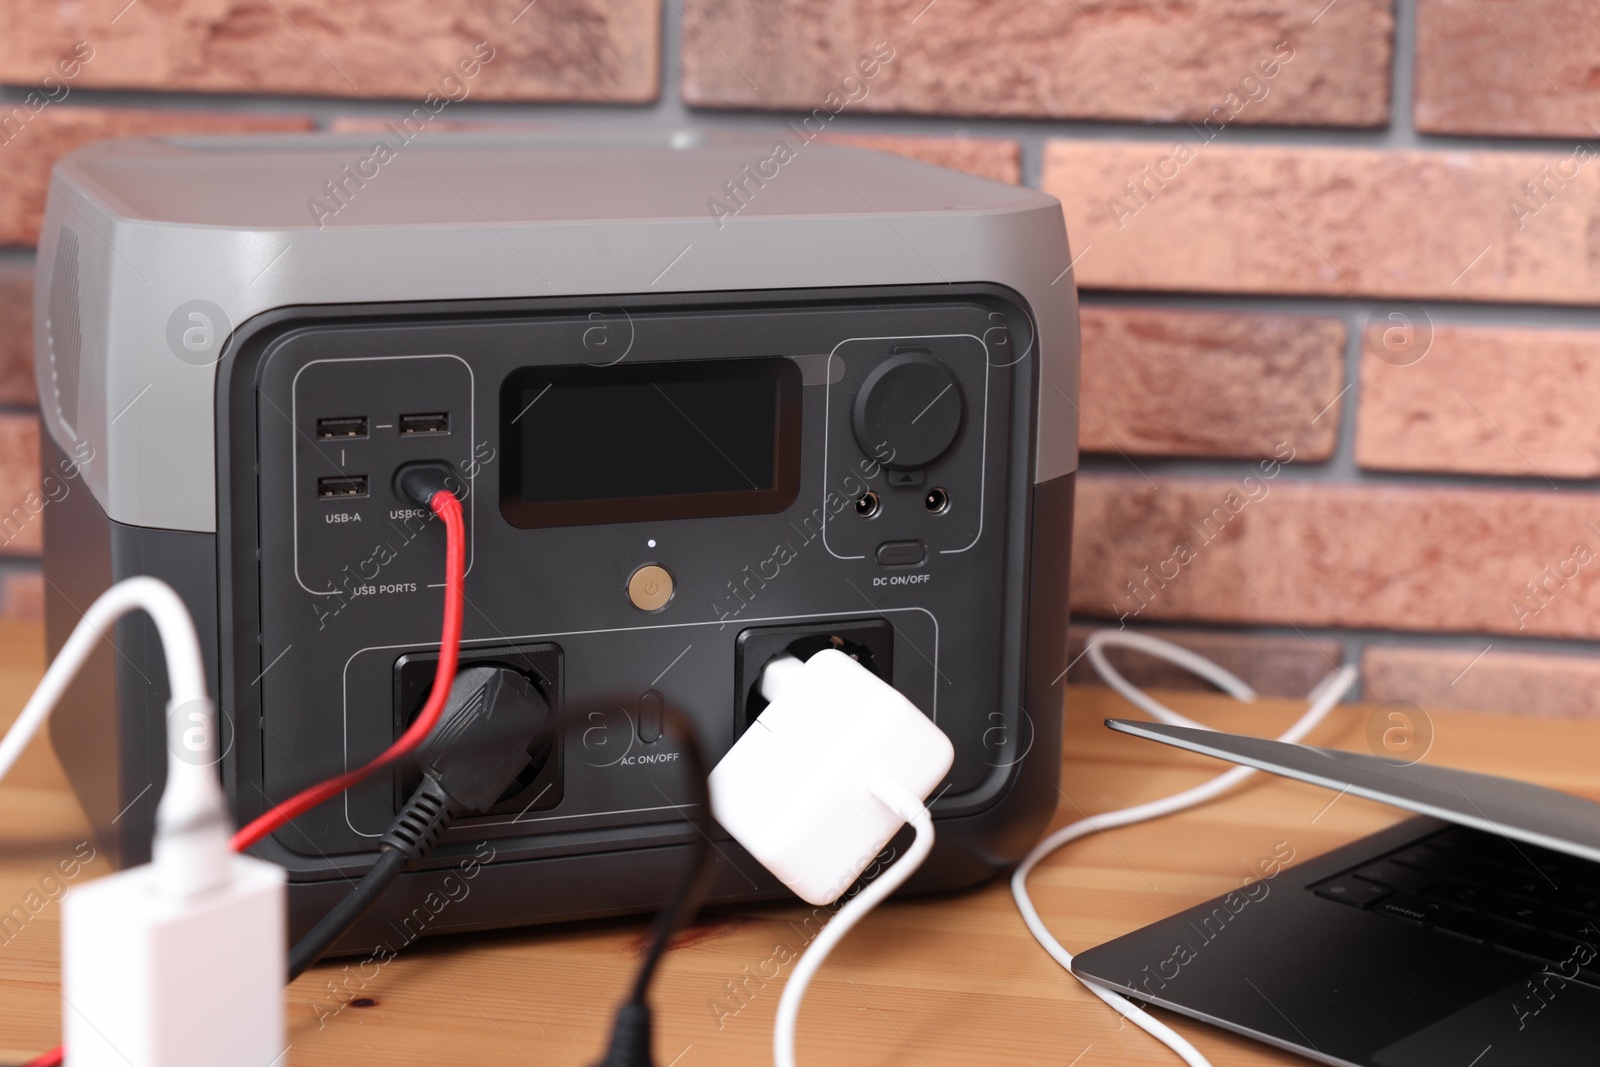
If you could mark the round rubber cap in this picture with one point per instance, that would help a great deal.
(908, 411)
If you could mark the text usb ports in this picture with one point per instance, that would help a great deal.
(342, 487)
(425, 423)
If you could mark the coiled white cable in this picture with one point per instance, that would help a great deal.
(1322, 699)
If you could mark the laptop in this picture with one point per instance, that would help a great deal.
(1468, 937)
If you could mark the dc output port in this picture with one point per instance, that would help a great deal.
(937, 501)
(868, 504)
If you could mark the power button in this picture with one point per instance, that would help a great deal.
(650, 587)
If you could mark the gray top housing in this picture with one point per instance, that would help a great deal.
(147, 242)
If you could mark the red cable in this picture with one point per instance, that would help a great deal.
(448, 508)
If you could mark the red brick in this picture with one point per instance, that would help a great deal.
(997, 160)
(57, 130)
(1523, 683)
(1141, 61)
(1319, 554)
(577, 50)
(1193, 383)
(1273, 665)
(1483, 401)
(16, 335)
(1326, 221)
(22, 595)
(1519, 67)
(20, 501)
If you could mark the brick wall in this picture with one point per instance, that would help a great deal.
(1339, 263)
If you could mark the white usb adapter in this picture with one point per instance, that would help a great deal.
(808, 789)
(154, 978)
(179, 962)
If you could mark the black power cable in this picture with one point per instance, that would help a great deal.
(486, 736)
(467, 765)
(342, 916)
(631, 1028)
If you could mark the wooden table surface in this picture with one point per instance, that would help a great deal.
(931, 981)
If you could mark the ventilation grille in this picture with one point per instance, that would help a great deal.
(63, 329)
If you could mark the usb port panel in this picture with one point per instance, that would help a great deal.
(342, 428)
(342, 487)
(425, 423)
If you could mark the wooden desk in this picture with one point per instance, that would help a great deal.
(933, 982)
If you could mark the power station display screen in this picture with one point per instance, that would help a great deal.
(633, 442)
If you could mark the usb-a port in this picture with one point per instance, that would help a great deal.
(431, 422)
(342, 427)
(342, 486)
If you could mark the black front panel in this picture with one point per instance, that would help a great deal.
(724, 447)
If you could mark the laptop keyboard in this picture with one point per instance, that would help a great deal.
(1483, 888)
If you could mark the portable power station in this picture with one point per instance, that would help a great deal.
(711, 399)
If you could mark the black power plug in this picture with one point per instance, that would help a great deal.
(481, 744)
(419, 481)
(478, 749)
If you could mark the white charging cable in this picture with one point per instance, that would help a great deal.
(829, 772)
(191, 847)
(904, 804)
(1322, 699)
(133, 942)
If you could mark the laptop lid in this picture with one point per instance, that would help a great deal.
(1518, 810)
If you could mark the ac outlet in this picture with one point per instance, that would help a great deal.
(539, 788)
(869, 641)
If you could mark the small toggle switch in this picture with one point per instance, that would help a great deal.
(902, 553)
(650, 704)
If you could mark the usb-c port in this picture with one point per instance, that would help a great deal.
(433, 422)
(341, 428)
(342, 486)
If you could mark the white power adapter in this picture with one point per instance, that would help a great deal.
(157, 978)
(808, 789)
(179, 962)
(817, 786)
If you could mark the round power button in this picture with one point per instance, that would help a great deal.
(650, 587)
